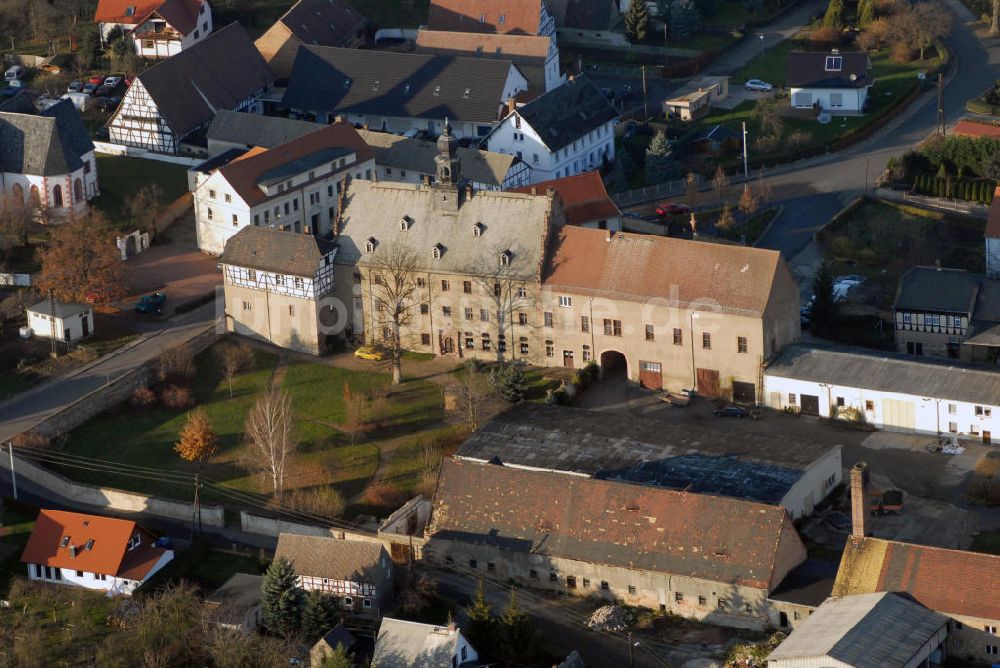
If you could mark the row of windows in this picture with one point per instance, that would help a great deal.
(55, 574)
(980, 411)
(469, 312)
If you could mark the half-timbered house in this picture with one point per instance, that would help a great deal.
(357, 573)
(278, 286)
(170, 101)
(156, 28)
(294, 186)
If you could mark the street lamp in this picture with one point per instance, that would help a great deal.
(631, 646)
(761, 35)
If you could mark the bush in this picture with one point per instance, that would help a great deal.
(842, 246)
(325, 501)
(383, 494)
(31, 439)
(177, 397)
(984, 491)
(176, 364)
(508, 381)
(143, 397)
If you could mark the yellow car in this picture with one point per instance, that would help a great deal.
(370, 353)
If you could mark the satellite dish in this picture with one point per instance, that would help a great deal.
(854, 77)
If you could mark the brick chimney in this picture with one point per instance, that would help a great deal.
(859, 502)
(511, 105)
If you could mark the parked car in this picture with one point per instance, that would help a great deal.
(153, 303)
(9, 91)
(758, 85)
(15, 73)
(104, 90)
(90, 88)
(370, 353)
(666, 209)
(74, 87)
(732, 410)
(113, 81)
(96, 79)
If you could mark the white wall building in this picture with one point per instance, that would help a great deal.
(404, 644)
(92, 551)
(294, 187)
(157, 28)
(566, 131)
(835, 82)
(66, 322)
(48, 160)
(887, 391)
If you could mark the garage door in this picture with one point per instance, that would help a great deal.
(651, 375)
(744, 393)
(898, 413)
(708, 382)
(810, 404)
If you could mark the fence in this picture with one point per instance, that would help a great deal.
(654, 191)
(135, 152)
(943, 204)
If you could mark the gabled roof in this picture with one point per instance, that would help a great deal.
(51, 143)
(182, 15)
(584, 197)
(269, 249)
(568, 112)
(993, 217)
(216, 73)
(295, 157)
(509, 222)
(645, 451)
(407, 85)
(417, 155)
(882, 630)
(888, 372)
(719, 133)
(528, 52)
(640, 267)
(108, 553)
(809, 69)
(62, 309)
(318, 556)
(968, 127)
(405, 644)
(614, 524)
(323, 22)
(521, 17)
(952, 582)
(584, 14)
(941, 290)
(237, 127)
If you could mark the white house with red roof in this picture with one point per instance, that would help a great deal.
(92, 551)
(158, 28)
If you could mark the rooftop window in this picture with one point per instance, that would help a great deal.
(834, 63)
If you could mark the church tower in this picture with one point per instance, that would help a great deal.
(449, 171)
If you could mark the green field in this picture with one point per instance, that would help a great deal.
(119, 177)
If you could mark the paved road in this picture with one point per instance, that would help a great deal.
(25, 410)
(812, 195)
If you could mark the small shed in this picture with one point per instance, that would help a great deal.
(695, 99)
(64, 322)
(236, 604)
(717, 140)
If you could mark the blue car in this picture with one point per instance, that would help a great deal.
(149, 304)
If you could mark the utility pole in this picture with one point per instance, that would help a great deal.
(52, 326)
(645, 109)
(746, 168)
(13, 475)
(196, 517)
(666, 54)
(940, 118)
(631, 659)
(866, 176)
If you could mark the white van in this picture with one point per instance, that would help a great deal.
(15, 73)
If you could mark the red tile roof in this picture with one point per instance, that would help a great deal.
(244, 172)
(512, 46)
(182, 15)
(584, 197)
(109, 553)
(519, 16)
(947, 581)
(615, 523)
(969, 128)
(640, 267)
(993, 218)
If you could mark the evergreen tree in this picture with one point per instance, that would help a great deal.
(339, 658)
(281, 598)
(684, 19)
(318, 616)
(481, 628)
(521, 643)
(834, 17)
(508, 381)
(637, 20)
(659, 159)
(824, 307)
(866, 13)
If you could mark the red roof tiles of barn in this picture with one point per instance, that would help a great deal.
(613, 523)
(584, 197)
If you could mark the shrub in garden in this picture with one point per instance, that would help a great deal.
(176, 396)
(508, 381)
(176, 364)
(143, 397)
(384, 494)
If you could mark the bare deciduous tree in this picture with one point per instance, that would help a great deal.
(233, 358)
(720, 181)
(509, 296)
(393, 286)
(270, 434)
(473, 394)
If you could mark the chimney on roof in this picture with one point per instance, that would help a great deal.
(550, 191)
(534, 190)
(859, 504)
(338, 119)
(511, 105)
(72, 550)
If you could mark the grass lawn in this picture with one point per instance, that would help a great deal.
(987, 541)
(325, 455)
(121, 176)
(207, 568)
(882, 241)
(752, 228)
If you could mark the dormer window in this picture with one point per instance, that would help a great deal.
(375, 86)
(479, 50)
(64, 542)
(406, 88)
(505, 258)
(370, 245)
(478, 229)
(404, 223)
(437, 91)
(134, 542)
(436, 251)
(130, 10)
(502, 19)
(89, 545)
(482, 18)
(467, 93)
(834, 63)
